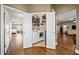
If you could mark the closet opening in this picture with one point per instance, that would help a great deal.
(39, 30)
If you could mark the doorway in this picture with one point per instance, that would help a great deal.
(39, 30)
(13, 31)
(44, 28)
(67, 31)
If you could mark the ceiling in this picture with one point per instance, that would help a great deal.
(67, 16)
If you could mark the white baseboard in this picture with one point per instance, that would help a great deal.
(77, 51)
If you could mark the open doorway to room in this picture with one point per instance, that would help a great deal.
(43, 28)
(66, 33)
(16, 36)
(13, 34)
(39, 30)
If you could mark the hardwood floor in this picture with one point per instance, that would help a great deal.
(40, 43)
(15, 45)
(65, 46)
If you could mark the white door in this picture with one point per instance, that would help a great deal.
(7, 31)
(27, 31)
(50, 28)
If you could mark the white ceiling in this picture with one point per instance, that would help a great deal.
(68, 16)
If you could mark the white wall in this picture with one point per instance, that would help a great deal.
(0, 29)
(2, 32)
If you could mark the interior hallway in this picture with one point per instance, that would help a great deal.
(15, 45)
(65, 47)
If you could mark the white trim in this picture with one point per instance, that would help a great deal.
(42, 12)
(2, 31)
(77, 51)
(14, 9)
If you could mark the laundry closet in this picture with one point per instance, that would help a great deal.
(39, 29)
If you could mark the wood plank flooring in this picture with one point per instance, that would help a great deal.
(40, 43)
(65, 46)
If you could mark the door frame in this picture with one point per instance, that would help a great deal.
(2, 25)
(46, 26)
